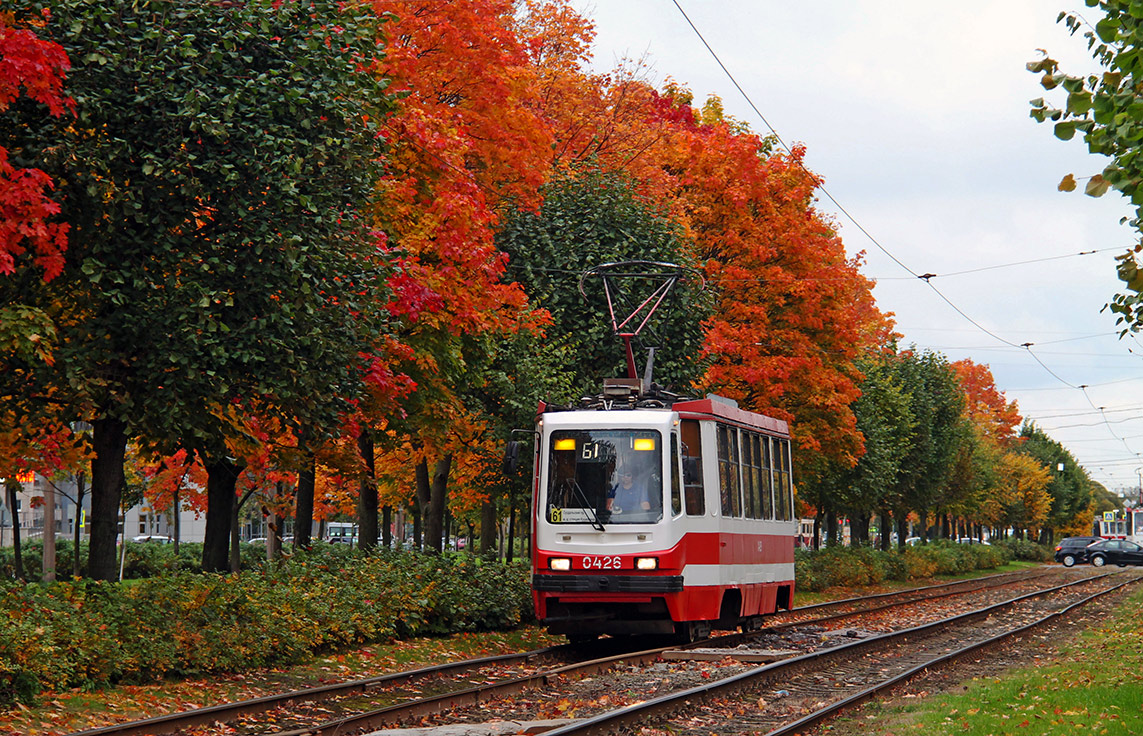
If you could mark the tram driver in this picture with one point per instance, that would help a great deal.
(631, 493)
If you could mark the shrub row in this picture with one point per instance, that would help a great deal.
(857, 566)
(91, 634)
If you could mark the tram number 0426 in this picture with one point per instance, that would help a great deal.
(602, 563)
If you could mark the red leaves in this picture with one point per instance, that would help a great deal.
(465, 139)
(37, 68)
(34, 65)
(24, 211)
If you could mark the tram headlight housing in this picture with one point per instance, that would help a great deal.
(646, 563)
(562, 564)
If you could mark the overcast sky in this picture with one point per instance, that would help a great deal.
(916, 115)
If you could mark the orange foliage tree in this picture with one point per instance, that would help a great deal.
(466, 142)
(793, 311)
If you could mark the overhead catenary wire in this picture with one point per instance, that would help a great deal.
(926, 277)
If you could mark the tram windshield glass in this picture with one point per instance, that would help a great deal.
(604, 476)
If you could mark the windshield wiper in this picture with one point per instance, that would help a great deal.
(595, 522)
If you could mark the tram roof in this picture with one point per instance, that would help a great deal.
(697, 408)
(708, 408)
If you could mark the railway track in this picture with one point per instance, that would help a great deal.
(411, 696)
(793, 695)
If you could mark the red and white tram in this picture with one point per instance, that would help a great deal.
(658, 515)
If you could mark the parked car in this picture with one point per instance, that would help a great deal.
(1115, 552)
(152, 539)
(1073, 550)
(972, 540)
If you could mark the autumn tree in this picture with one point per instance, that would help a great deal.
(468, 146)
(791, 310)
(991, 423)
(218, 263)
(31, 68)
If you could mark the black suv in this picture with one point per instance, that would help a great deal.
(1071, 550)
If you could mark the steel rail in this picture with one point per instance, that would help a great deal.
(641, 713)
(393, 714)
(1019, 574)
(856, 699)
(227, 711)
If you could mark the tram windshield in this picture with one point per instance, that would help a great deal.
(605, 476)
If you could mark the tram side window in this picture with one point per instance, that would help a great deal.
(782, 480)
(728, 471)
(767, 478)
(759, 487)
(692, 485)
(747, 476)
(676, 492)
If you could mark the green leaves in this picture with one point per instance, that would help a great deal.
(1107, 109)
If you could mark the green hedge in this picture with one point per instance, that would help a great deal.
(856, 566)
(92, 634)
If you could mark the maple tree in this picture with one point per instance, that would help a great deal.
(978, 468)
(791, 309)
(467, 145)
(32, 71)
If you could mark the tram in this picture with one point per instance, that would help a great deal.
(657, 514)
(1124, 524)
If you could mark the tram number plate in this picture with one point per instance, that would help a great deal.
(602, 563)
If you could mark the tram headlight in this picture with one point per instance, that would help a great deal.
(562, 564)
(646, 563)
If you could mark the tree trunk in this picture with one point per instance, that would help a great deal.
(176, 521)
(235, 557)
(509, 556)
(221, 478)
(10, 487)
(902, 528)
(832, 536)
(304, 503)
(387, 526)
(859, 529)
(109, 444)
(80, 492)
(434, 525)
(421, 506)
(488, 528)
(367, 496)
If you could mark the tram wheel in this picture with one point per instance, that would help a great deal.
(692, 631)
